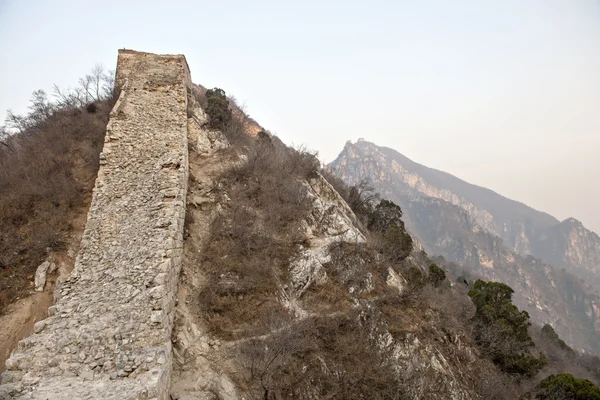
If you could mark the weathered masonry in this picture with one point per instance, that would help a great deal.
(108, 335)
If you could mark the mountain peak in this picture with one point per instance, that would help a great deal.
(572, 221)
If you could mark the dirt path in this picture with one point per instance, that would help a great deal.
(17, 323)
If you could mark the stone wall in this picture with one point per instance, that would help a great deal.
(108, 335)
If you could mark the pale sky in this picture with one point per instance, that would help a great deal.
(504, 94)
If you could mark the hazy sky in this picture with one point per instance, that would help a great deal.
(504, 94)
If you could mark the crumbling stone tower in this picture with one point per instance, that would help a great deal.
(108, 335)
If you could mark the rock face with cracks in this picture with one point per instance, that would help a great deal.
(330, 221)
(40, 275)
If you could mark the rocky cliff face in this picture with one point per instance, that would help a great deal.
(491, 236)
(550, 295)
(571, 246)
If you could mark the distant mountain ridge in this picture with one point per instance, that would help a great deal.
(567, 244)
(494, 237)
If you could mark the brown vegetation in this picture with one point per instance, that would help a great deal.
(324, 357)
(48, 164)
(252, 242)
(226, 115)
(332, 352)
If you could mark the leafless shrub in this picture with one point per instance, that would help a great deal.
(252, 243)
(244, 269)
(303, 161)
(329, 296)
(275, 158)
(358, 267)
(362, 198)
(354, 367)
(328, 357)
(491, 384)
(236, 130)
(395, 312)
(273, 177)
(455, 308)
(49, 160)
(349, 263)
(271, 359)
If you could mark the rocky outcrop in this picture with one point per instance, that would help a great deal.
(571, 246)
(330, 221)
(41, 273)
(108, 335)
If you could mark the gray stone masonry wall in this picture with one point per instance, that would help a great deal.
(108, 335)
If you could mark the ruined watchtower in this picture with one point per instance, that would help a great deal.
(108, 335)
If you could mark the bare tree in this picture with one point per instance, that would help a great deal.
(72, 98)
(94, 87)
(40, 107)
(264, 357)
(16, 122)
(92, 83)
(362, 198)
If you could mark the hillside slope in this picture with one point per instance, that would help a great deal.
(283, 297)
(47, 175)
(295, 286)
